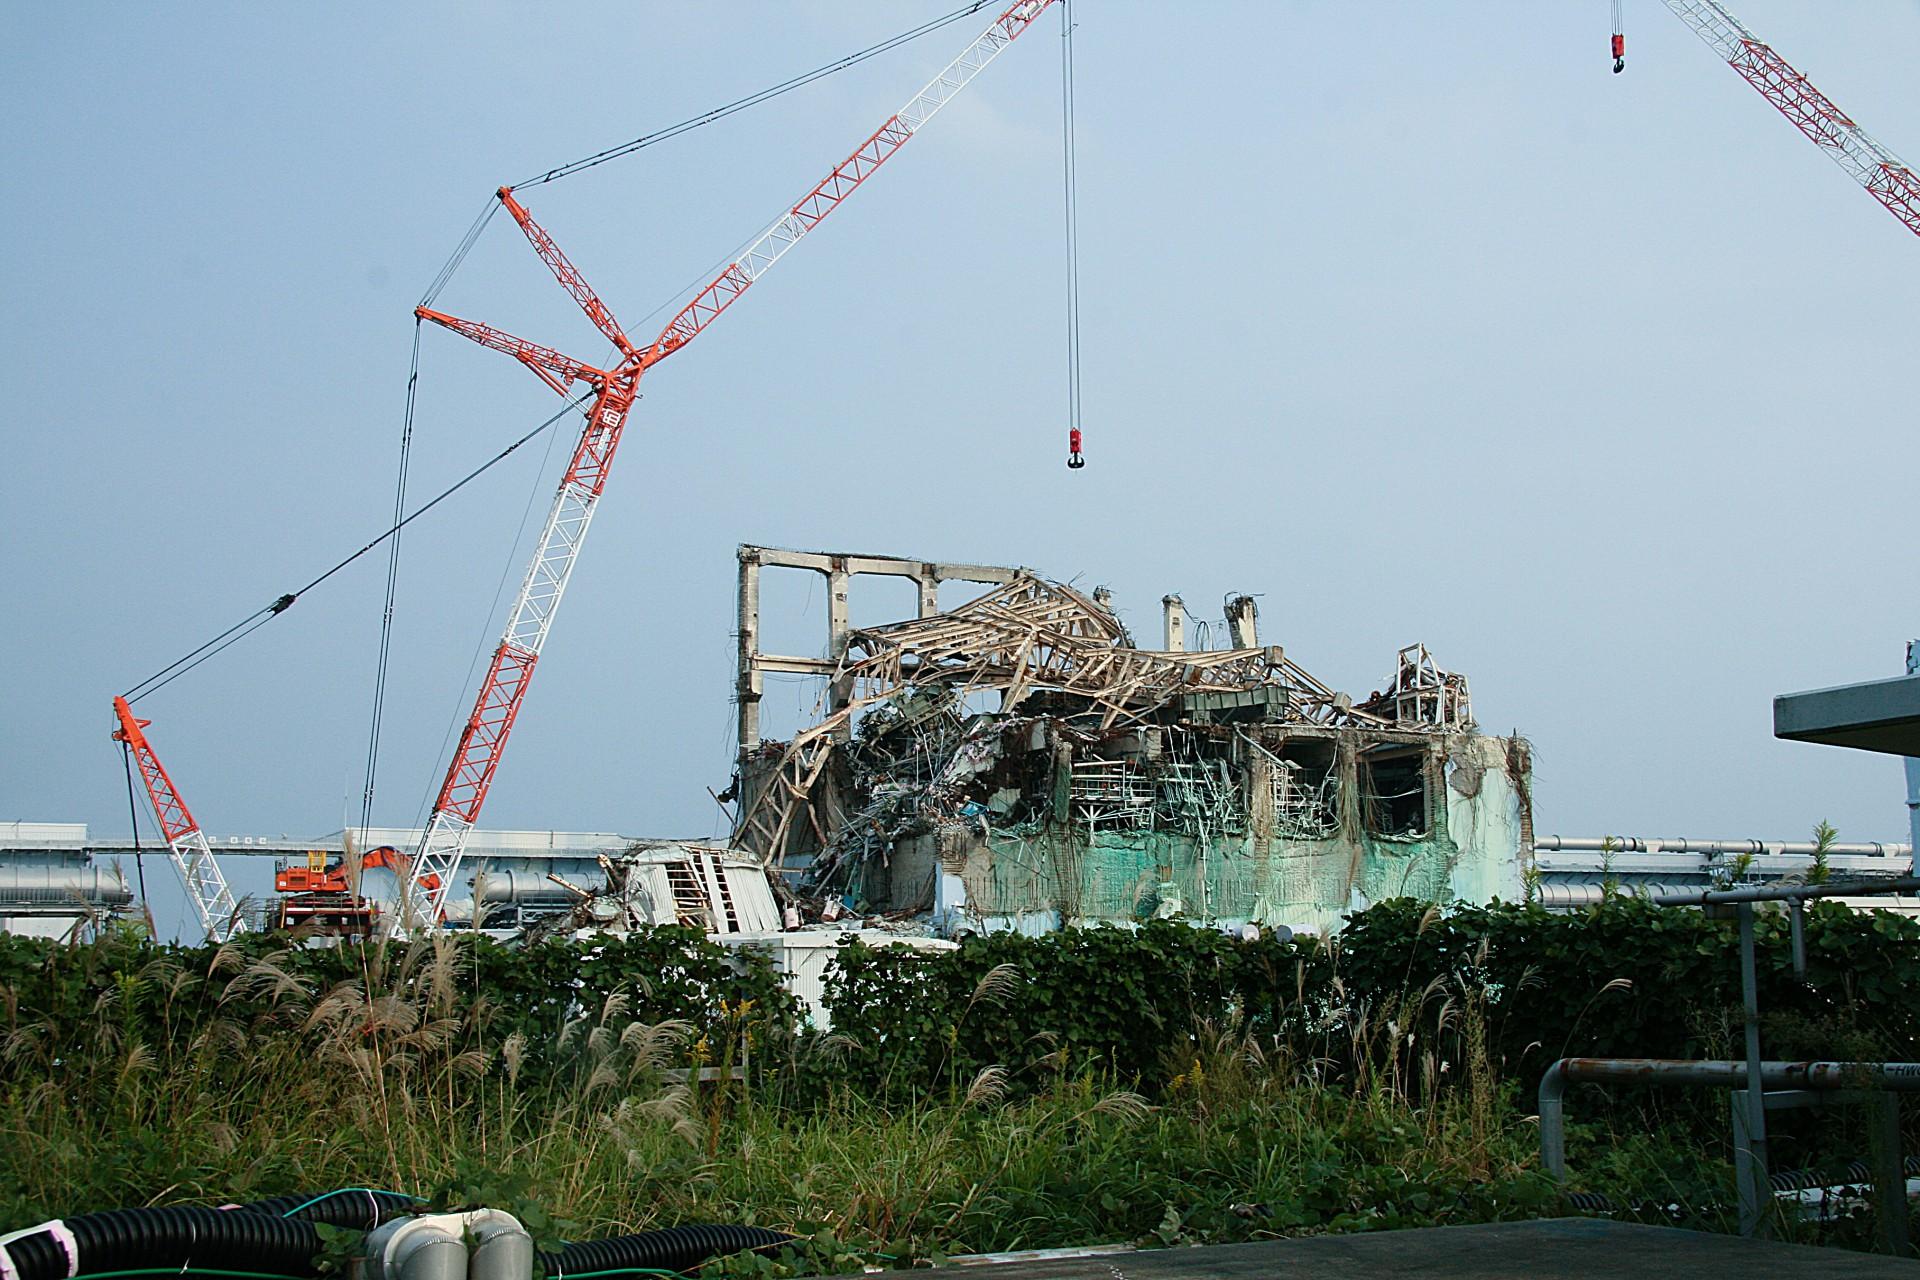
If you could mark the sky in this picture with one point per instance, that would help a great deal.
(1409, 319)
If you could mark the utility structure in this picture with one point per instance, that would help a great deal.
(484, 739)
(206, 885)
(1884, 175)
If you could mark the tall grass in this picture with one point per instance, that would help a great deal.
(239, 1079)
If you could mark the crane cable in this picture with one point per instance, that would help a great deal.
(1071, 201)
(133, 821)
(180, 666)
(393, 578)
(752, 99)
(260, 617)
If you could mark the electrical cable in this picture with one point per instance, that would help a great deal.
(280, 606)
(393, 574)
(751, 100)
(374, 1195)
(1071, 201)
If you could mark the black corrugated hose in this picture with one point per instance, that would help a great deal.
(176, 1237)
(673, 1249)
(357, 1208)
(277, 1237)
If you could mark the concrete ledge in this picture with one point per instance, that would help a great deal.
(1878, 715)
(1588, 1248)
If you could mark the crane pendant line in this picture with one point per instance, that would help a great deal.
(430, 876)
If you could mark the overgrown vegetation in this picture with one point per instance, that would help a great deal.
(1164, 1084)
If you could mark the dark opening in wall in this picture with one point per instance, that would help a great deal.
(1393, 791)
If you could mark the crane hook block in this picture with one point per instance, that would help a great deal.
(1074, 460)
(1619, 53)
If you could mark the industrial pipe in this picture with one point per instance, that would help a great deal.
(1787, 892)
(46, 883)
(1580, 895)
(1716, 848)
(1897, 1077)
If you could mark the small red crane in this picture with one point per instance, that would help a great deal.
(207, 890)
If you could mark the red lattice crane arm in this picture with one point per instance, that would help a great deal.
(1884, 175)
(168, 808)
(206, 884)
(807, 212)
(567, 274)
(554, 368)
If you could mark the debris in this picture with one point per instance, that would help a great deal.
(1018, 761)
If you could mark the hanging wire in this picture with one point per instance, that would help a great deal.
(1069, 180)
(393, 576)
(513, 560)
(180, 666)
(460, 252)
(133, 820)
(751, 100)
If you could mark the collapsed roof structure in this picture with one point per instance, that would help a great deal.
(1018, 761)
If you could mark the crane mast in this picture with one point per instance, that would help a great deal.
(430, 877)
(206, 884)
(1882, 174)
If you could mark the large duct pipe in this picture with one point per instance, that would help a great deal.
(521, 887)
(53, 883)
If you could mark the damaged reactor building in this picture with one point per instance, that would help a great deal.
(1019, 762)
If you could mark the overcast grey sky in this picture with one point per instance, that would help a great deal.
(1410, 318)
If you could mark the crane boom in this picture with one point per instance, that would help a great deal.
(1884, 175)
(430, 876)
(205, 883)
(556, 370)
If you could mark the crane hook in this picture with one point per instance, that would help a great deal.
(1619, 47)
(1074, 460)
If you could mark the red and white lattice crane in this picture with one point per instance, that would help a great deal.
(206, 884)
(1884, 175)
(430, 877)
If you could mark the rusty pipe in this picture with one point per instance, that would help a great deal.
(1897, 1077)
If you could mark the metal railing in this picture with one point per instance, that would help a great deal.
(1793, 1083)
